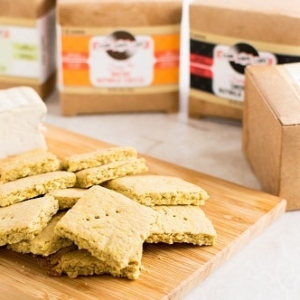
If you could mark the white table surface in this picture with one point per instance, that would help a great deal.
(269, 266)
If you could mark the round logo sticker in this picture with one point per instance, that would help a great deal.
(121, 45)
(242, 55)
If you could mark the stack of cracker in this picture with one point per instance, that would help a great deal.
(106, 240)
(91, 229)
(26, 208)
(96, 167)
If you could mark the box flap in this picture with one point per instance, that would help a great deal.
(25, 9)
(289, 7)
(280, 90)
(113, 13)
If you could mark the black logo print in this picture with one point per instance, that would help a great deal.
(242, 55)
(121, 45)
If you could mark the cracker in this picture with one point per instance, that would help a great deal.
(93, 176)
(67, 197)
(51, 263)
(25, 220)
(82, 263)
(107, 224)
(35, 185)
(29, 163)
(45, 243)
(182, 224)
(97, 158)
(153, 190)
(74, 263)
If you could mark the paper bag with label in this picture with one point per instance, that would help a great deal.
(225, 37)
(27, 45)
(118, 56)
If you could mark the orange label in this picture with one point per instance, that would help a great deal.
(119, 59)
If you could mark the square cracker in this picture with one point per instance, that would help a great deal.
(107, 224)
(93, 176)
(76, 263)
(97, 158)
(25, 220)
(67, 197)
(46, 242)
(29, 163)
(182, 224)
(50, 263)
(153, 190)
(35, 185)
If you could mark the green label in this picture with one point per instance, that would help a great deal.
(5, 56)
(25, 52)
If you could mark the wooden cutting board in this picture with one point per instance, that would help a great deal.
(170, 271)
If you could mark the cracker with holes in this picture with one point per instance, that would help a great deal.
(35, 185)
(153, 190)
(25, 220)
(109, 225)
(81, 263)
(97, 158)
(93, 176)
(67, 197)
(182, 224)
(46, 242)
(29, 163)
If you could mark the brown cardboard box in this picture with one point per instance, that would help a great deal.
(225, 36)
(27, 45)
(95, 76)
(271, 129)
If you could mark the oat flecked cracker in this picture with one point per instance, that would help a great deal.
(97, 158)
(81, 263)
(109, 225)
(25, 220)
(67, 197)
(29, 163)
(182, 224)
(97, 175)
(35, 185)
(46, 242)
(153, 190)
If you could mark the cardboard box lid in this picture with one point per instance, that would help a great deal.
(30, 9)
(280, 7)
(280, 87)
(113, 13)
(267, 21)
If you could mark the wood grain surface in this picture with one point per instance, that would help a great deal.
(169, 271)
